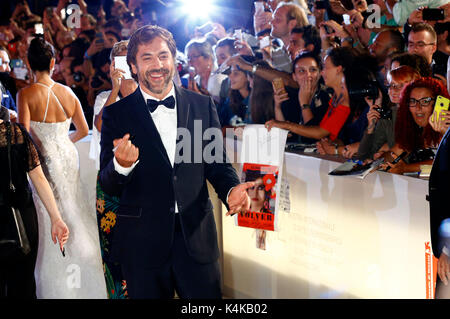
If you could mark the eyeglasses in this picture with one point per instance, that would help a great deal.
(193, 57)
(419, 45)
(425, 101)
(396, 87)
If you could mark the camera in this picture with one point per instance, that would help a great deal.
(78, 77)
(370, 90)
(385, 113)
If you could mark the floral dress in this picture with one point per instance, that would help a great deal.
(106, 218)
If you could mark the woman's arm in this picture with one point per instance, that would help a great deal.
(23, 109)
(79, 121)
(59, 228)
(315, 132)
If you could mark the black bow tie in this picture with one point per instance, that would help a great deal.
(153, 104)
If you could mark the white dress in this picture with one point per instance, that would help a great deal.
(80, 273)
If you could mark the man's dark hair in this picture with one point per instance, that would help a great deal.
(78, 47)
(397, 40)
(441, 28)
(115, 24)
(40, 54)
(147, 34)
(89, 33)
(227, 42)
(417, 62)
(419, 27)
(308, 54)
(310, 35)
(76, 62)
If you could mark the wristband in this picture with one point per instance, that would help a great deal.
(305, 106)
(86, 56)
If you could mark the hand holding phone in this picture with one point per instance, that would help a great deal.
(442, 104)
(435, 14)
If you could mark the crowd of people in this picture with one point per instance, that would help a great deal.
(351, 81)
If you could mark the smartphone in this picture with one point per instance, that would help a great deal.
(328, 29)
(121, 63)
(442, 104)
(99, 37)
(38, 28)
(16, 63)
(346, 19)
(279, 85)
(264, 42)
(321, 5)
(433, 14)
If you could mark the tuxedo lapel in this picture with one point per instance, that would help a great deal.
(145, 121)
(183, 110)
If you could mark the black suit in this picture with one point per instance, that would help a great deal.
(439, 190)
(146, 224)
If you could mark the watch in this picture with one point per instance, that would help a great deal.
(305, 106)
(255, 66)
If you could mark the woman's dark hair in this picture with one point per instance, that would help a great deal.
(40, 53)
(359, 73)
(308, 54)
(253, 175)
(236, 100)
(415, 61)
(408, 134)
(261, 98)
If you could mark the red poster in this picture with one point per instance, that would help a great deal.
(262, 196)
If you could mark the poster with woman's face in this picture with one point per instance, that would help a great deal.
(262, 196)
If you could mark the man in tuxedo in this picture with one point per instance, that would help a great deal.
(165, 236)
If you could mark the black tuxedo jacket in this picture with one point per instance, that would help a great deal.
(144, 227)
(439, 190)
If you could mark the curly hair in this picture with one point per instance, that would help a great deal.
(408, 134)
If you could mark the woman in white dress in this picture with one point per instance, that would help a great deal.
(46, 109)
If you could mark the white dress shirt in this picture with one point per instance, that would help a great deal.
(165, 120)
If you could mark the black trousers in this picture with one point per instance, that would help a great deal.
(179, 273)
(17, 271)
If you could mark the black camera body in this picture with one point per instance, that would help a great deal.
(385, 113)
(370, 90)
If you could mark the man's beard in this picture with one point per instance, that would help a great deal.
(167, 80)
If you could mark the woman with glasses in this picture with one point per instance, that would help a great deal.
(379, 135)
(202, 77)
(414, 136)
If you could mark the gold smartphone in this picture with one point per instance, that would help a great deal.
(279, 85)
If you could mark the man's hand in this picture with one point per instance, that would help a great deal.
(125, 152)
(238, 200)
(239, 61)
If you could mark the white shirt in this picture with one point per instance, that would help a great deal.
(165, 120)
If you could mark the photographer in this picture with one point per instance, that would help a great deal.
(379, 136)
(100, 81)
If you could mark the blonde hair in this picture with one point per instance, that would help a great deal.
(117, 48)
(295, 12)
